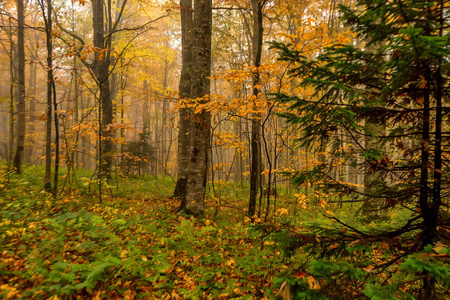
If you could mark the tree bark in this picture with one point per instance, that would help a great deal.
(372, 206)
(32, 87)
(200, 89)
(12, 94)
(255, 171)
(21, 120)
(185, 93)
(429, 218)
(165, 106)
(49, 115)
(101, 71)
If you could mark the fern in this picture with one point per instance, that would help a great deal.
(94, 276)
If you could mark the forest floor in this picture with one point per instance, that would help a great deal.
(131, 245)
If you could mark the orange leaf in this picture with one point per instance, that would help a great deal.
(300, 275)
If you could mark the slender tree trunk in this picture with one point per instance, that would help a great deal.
(13, 75)
(238, 178)
(185, 93)
(84, 144)
(49, 115)
(52, 91)
(32, 112)
(156, 137)
(122, 116)
(372, 206)
(21, 120)
(76, 100)
(255, 171)
(101, 71)
(164, 118)
(428, 213)
(200, 88)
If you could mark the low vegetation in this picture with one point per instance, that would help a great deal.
(134, 245)
(127, 247)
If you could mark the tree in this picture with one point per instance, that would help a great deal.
(47, 11)
(405, 86)
(256, 161)
(20, 146)
(185, 93)
(200, 89)
(13, 78)
(102, 75)
(105, 25)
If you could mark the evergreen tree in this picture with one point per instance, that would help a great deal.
(404, 86)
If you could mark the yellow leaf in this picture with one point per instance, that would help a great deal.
(369, 269)
(282, 211)
(128, 295)
(438, 248)
(424, 82)
(334, 246)
(265, 172)
(97, 296)
(313, 284)
(144, 258)
(384, 245)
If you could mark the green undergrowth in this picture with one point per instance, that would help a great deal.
(131, 245)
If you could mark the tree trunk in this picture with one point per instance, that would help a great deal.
(429, 218)
(200, 89)
(18, 158)
(101, 71)
(165, 105)
(372, 206)
(185, 93)
(32, 82)
(13, 75)
(50, 85)
(255, 172)
(76, 156)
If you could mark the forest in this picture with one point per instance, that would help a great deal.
(225, 149)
